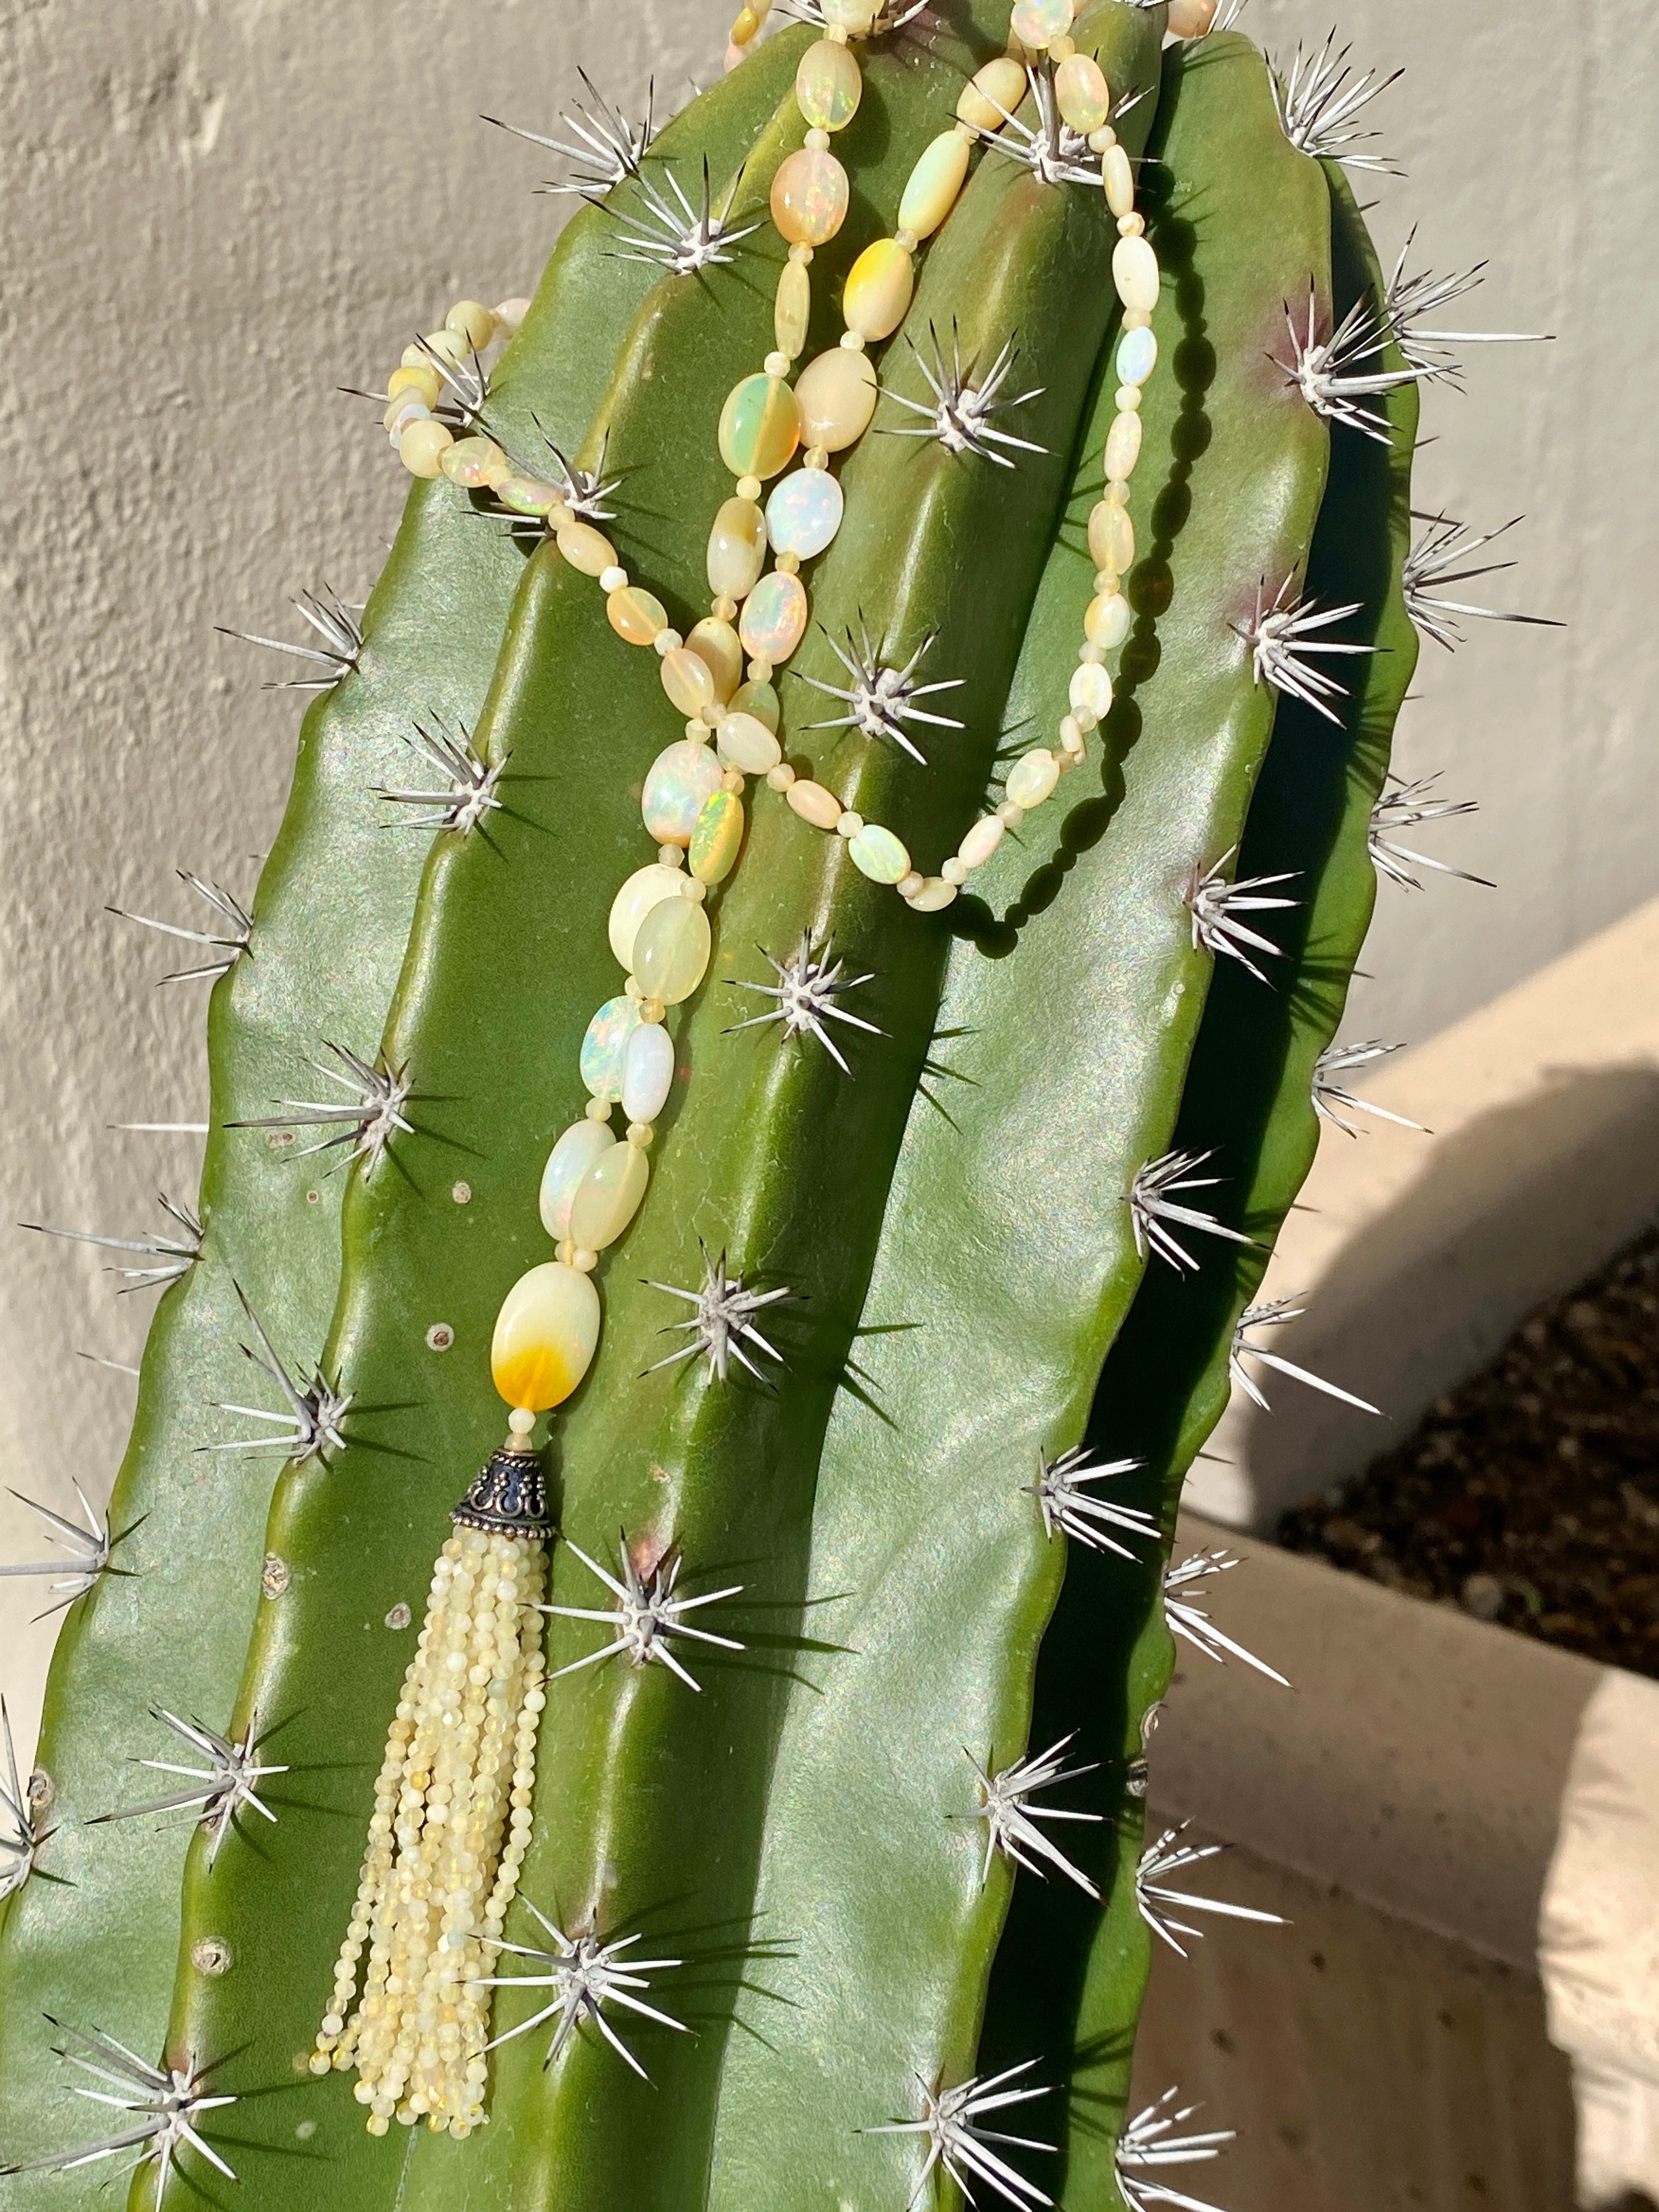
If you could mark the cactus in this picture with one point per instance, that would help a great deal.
(813, 1654)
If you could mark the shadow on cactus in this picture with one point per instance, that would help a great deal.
(735, 1326)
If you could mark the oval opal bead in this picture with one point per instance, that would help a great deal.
(934, 185)
(1134, 271)
(688, 679)
(670, 952)
(1191, 19)
(588, 550)
(718, 838)
(468, 461)
(567, 1167)
(1034, 22)
(1111, 537)
(773, 620)
(609, 1198)
(679, 780)
(828, 86)
(546, 1334)
(879, 286)
(935, 895)
(813, 803)
(717, 643)
(982, 840)
(1033, 777)
(877, 854)
(810, 197)
(760, 700)
(1092, 689)
(647, 1074)
(737, 548)
(760, 428)
(604, 1047)
(1137, 356)
(423, 446)
(837, 396)
(526, 496)
(1123, 447)
(995, 94)
(854, 15)
(1084, 96)
(636, 615)
(1118, 178)
(1108, 621)
(805, 513)
(645, 888)
(743, 742)
(792, 308)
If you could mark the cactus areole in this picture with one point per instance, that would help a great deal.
(830, 866)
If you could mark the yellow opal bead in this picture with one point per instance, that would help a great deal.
(472, 320)
(1111, 537)
(791, 311)
(759, 428)
(470, 461)
(828, 86)
(688, 680)
(814, 804)
(934, 185)
(995, 93)
(421, 448)
(879, 286)
(646, 888)
(1034, 22)
(546, 1334)
(1118, 179)
(716, 643)
(608, 1198)
(568, 1163)
(671, 950)
(586, 550)
(422, 381)
(718, 838)
(1134, 272)
(737, 547)
(1084, 96)
(810, 197)
(636, 615)
(837, 396)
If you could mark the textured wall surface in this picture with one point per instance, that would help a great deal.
(220, 210)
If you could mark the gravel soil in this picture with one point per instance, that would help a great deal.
(1530, 1494)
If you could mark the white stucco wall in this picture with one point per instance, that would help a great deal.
(216, 211)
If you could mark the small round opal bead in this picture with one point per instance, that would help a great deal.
(1032, 778)
(759, 428)
(1084, 96)
(1134, 272)
(805, 513)
(773, 620)
(568, 1163)
(879, 286)
(1137, 356)
(877, 854)
(737, 548)
(546, 1334)
(810, 197)
(472, 320)
(715, 641)
(605, 1047)
(678, 781)
(420, 380)
(837, 396)
(718, 837)
(994, 95)
(646, 888)
(743, 741)
(828, 86)
(609, 1197)
(1092, 691)
(670, 952)
(647, 1073)
(1034, 22)
(934, 185)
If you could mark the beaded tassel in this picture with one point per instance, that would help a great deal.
(451, 1823)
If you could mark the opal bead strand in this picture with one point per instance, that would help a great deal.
(426, 446)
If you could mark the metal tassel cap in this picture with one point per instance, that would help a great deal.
(508, 1497)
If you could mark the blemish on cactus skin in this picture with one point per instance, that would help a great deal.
(211, 1956)
(399, 1617)
(462, 1193)
(275, 1576)
(439, 1337)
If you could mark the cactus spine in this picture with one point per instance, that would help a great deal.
(767, 1941)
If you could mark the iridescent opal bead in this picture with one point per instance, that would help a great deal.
(670, 952)
(1137, 356)
(810, 197)
(468, 461)
(645, 888)
(828, 86)
(604, 1047)
(805, 513)
(760, 428)
(1083, 93)
(648, 1076)
(1035, 22)
(995, 94)
(526, 494)
(773, 620)
(877, 854)
(934, 185)
(679, 780)
(743, 742)
(609, 1198)
(837, 396)
(546, 1334)
(879, 286)
(718, 837)
(567, 1167)
(737, 548)
(1033, 777)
